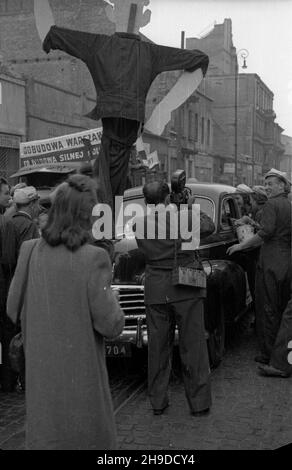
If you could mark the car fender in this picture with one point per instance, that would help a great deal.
(226, 289)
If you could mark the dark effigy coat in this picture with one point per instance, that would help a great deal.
(122, 67)
(67, 310)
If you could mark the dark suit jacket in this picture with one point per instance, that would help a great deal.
(159, 255)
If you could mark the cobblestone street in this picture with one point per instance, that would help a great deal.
(249, 412)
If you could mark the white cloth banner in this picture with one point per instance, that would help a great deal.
(187, 83)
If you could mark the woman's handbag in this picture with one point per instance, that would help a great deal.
(16, 353)
(16, 350)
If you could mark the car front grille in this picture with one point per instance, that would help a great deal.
(131, 301)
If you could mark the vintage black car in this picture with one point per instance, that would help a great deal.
(227, 290)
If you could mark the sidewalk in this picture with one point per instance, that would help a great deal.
(248, 412)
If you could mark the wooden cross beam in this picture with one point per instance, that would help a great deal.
(132, 18)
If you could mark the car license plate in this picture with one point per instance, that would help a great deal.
(118, 350)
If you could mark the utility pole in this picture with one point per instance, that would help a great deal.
(180, 161)
(243, 54)
(236, 126)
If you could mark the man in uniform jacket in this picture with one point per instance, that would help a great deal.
(168, 305)
(280, 364)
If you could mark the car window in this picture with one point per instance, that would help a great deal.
(228, 212)
(207, 206)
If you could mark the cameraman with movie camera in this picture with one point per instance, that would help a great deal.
(175, 286)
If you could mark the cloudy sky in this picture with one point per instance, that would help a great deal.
(263, 27)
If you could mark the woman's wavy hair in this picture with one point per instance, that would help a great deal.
(69, 220)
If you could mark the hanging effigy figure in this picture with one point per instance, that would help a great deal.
(122, 67)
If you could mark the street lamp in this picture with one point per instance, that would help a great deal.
(243, 53)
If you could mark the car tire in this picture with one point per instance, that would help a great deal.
(216, 342)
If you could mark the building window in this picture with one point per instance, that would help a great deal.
(208, 131)
(227, 213)
(203, 131)
(190, 169)
(190, 123)
(196, 127)
(182, 121)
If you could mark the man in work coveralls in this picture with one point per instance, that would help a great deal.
(168, 305)
(273, 274)
(122, 67)
(280, 364)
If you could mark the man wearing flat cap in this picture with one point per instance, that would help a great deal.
(27, 209)
(273, 276)
(18, 228)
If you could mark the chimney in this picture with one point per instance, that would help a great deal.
(182, 44)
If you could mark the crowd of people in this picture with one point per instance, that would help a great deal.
(56, 288)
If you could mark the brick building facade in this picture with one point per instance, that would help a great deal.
(12, 120)
(286, 158)
(201, 134)
(190, 130)
(60, 90)
(258, 135)
(21, 47)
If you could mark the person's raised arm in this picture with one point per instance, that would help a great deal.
(44, 17)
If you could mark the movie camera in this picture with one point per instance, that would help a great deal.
(180, 193)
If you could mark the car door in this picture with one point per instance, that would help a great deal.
(228, 210)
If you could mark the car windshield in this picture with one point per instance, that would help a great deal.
(44, 180)
(129, 212)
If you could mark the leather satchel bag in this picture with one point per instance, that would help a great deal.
(192, 276)
(16, 349)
